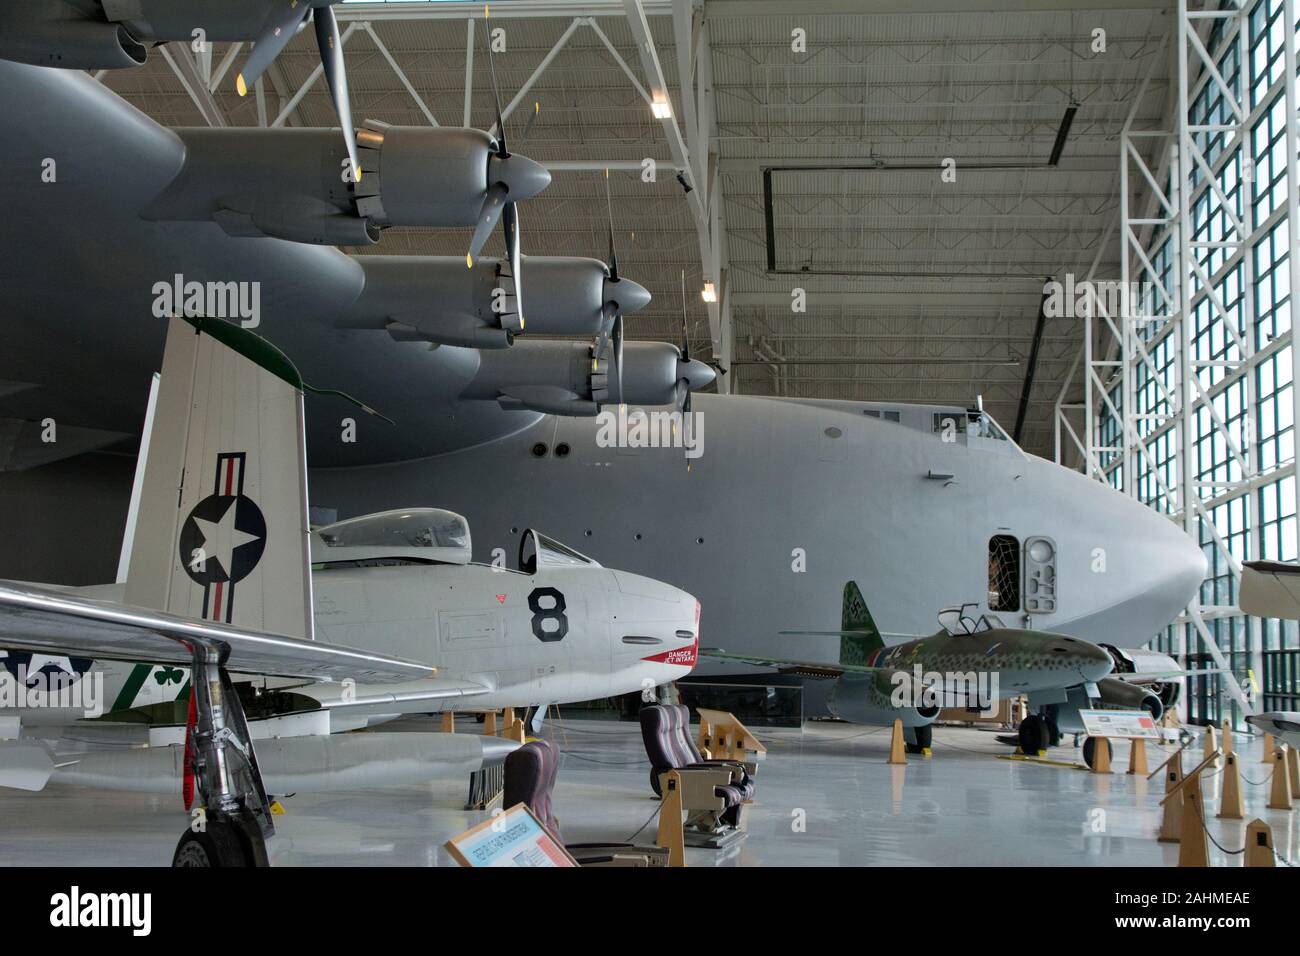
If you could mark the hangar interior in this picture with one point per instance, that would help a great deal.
(865, 201)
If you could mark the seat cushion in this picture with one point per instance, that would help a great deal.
(530, 774)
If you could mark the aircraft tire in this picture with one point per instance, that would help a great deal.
(924, 738)
(1033, 735)
(1090, 750)
(219, 845)
(1053, 733)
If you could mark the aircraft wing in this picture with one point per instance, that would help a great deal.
(64, 361)
(1146, 677)
(46, 621)
(817, 670)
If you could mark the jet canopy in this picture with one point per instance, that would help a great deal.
(536, 551)
(423, 535)
(958, 620)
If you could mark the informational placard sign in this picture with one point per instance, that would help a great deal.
(1119, 723)
(513, 837)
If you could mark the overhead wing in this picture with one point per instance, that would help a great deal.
(53, 622)
(1270, 589)
(91, 373)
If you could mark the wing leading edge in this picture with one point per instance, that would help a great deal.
(38, 619)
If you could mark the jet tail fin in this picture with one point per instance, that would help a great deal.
(859, 636)
(222, 532)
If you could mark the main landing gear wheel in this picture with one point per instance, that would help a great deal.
(1033, 735)
(1090, 750)
(221, 843)
(1053, 733)
(924, 736)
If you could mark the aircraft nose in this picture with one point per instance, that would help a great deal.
(1135, 570)
(1093, 662)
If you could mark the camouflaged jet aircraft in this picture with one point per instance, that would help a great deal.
(967, 663)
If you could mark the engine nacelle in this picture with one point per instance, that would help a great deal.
(439, 300)
(411, 176)
(1121, 695)
(561, 378)
(866, 699)
(43, 35)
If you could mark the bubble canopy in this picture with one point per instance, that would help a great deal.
(412, 534)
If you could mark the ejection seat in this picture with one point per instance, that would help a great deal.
(714, 792)
(530, 774)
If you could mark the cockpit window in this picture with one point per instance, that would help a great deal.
(1004, 573)
(536, 550)
(973, 422)
(404, 535)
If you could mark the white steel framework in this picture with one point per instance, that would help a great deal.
(1187, 398)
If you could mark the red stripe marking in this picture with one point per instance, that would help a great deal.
(216, 601)
(230, 473)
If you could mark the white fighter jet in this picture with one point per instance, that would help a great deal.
(222, 552)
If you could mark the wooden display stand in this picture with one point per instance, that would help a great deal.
(897, 749)
(723, 737)
(490, 724)
(1171, 822)
(672, 836)
(1279, 797)
(1101, 755)
(1211, 744)
(448, 722)
(1137, 756)
(513, 729)
(1231, 806)
(1293, 766)
(1193, 839)
(1259, 844)
(1268, 749)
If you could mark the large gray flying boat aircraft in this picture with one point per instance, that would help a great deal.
(920, 504)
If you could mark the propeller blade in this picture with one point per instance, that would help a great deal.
(510, 221)
(331, 58)
(686, 338)
(488, 217)
(613, 256)
(496, 99)
(618, 357)
(277, 30)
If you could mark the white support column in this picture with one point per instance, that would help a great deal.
(469, 69)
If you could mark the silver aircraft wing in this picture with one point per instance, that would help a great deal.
(38, 619)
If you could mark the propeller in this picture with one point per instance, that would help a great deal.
(682, 391)
(506, 173)
(281, 23)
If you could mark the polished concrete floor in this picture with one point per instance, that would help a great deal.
(826, 797)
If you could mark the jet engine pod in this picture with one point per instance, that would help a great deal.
(42, 35)
(866, 699)
(1122, 695)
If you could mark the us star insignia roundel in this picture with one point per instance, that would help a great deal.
(223, 538)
